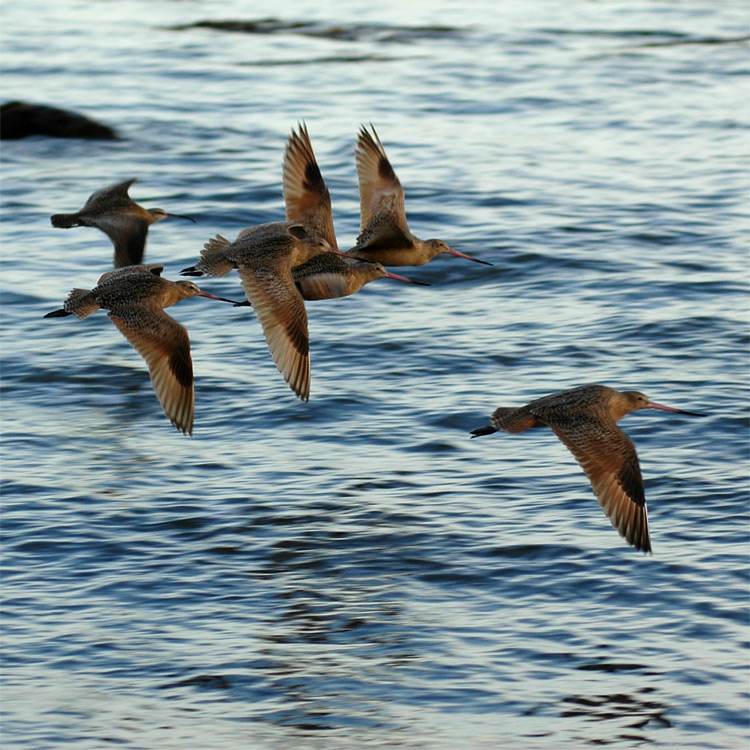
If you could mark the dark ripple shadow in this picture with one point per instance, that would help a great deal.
(662, 38)
(341, 32)
(358, 561)
(334, 59)
(635, 709)
(708, 40)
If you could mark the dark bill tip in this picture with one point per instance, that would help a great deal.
(398, 277)
(459, 254)
(208, 295)
(661, 407)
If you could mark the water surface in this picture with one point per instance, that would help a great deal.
(356, 572)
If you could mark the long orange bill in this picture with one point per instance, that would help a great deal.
(468, 257)
(652, 405)
(221, 299)
(403, 278)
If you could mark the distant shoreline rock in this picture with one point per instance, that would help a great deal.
(22, 120)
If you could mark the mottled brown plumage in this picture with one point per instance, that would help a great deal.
(264, 256)
(308, 202)
(327, 276)
(155, 268)
(136, 298)
(385, 235)
(584, 418)
(117, 215)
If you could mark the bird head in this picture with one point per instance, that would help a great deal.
(634, 400)
(437, 247)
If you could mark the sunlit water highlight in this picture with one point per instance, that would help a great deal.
(355, 572)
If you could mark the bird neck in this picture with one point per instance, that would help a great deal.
(152, 215)
(428, 249)
(303, 251)
(621, 404)
(175, 293)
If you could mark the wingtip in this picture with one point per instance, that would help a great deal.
(479, 431)
(301, 391)
(61, 313)
(644, 546)
(186, 430)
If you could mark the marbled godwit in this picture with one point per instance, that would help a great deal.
(264, 256)
(385, 234)
(308, 202)
(584, 418)
(327, 276)
(136, 299)
(125, 222)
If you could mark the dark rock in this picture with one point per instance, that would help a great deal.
(21, 120)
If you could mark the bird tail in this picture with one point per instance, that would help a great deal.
(81, 303)
(510, 419)
(65, 221)
(514, 419)
(214, 259)
(488, 430)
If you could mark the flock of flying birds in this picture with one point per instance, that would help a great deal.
(285, 263)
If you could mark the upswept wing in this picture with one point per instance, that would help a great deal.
(154, 268)
(380, 192)
(112, 192)
(306, 196)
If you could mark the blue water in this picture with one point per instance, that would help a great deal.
(356, 572)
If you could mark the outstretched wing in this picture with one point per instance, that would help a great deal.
(165, 346)
(281, 312)
(608, 457)
(128, 235)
